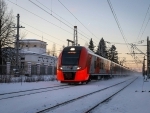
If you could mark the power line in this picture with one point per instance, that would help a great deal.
(41, 36)
(145, 27)
(56, 18)
(39, 16)
(123, 43)
(61, 17)
(118, 24)
(50, 14)
(77, 18)
(143, 22)
(42, 31)
(44, 19)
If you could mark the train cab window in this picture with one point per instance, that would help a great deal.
(70, 58)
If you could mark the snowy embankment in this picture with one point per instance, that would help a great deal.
(22, 78)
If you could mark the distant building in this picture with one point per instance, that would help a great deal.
(34, 51)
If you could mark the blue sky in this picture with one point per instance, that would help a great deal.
(95, 15)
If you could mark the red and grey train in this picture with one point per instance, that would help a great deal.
(80, 64)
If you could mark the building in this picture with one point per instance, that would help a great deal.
(33, 52)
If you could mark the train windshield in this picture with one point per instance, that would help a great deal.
(70, 57)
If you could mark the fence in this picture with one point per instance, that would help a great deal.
(27, 70)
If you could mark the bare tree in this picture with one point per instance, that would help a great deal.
(86, 44)
(48, 52)
(54, 50)
(6, 31)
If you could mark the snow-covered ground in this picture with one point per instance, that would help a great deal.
(130, 100)
(134, 99)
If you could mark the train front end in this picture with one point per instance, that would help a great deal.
(71, 65)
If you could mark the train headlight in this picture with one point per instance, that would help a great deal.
(61, 68)
(78, 68)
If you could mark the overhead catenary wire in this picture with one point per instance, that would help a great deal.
(42, 36)
(39, 17)
(61, 18)
(44, 19)
(145, 27)
(42, 31)
(143, 22)
(77, 19)
(118, 24)
(55, 17)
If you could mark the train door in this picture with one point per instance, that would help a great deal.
(92, 66)
(102, 71)
(97, 66)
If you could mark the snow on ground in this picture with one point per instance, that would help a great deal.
(13, 87)
(130, 100)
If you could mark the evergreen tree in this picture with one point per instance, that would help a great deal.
(91, 45)
(101, 50)
(113, 54)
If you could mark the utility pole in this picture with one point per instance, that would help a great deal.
(148, 57)
(144, 66)
(75, 36)
(17, 42)
(0, 38)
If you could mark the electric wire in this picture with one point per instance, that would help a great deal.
(145, 28)
(39, 16)
(118, 24)
(143, 22)
(44, 19)
(42, 31)
(41, 36)
(60, 17)
(54, 17)
(77, 19)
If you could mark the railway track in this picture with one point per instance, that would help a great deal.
(32, 91)
(106, 99)
(55, 107)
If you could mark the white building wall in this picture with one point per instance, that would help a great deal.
(34, 51)
(42, 59)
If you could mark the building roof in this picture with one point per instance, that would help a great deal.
(31, 52)
(31, 40)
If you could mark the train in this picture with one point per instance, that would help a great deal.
(78, 64)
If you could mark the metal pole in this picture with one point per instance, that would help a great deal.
(0, 37)
(148, 57)
(17, 43)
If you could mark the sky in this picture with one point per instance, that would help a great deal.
(132, 99)
(53, 21)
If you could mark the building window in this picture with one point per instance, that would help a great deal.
(34, 45)
(26, 45)
(22, 58)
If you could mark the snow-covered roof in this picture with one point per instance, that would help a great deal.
(30, 40)
(32, 52)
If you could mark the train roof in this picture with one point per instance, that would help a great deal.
(92, 53)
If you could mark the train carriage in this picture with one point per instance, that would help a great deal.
(80, 64)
